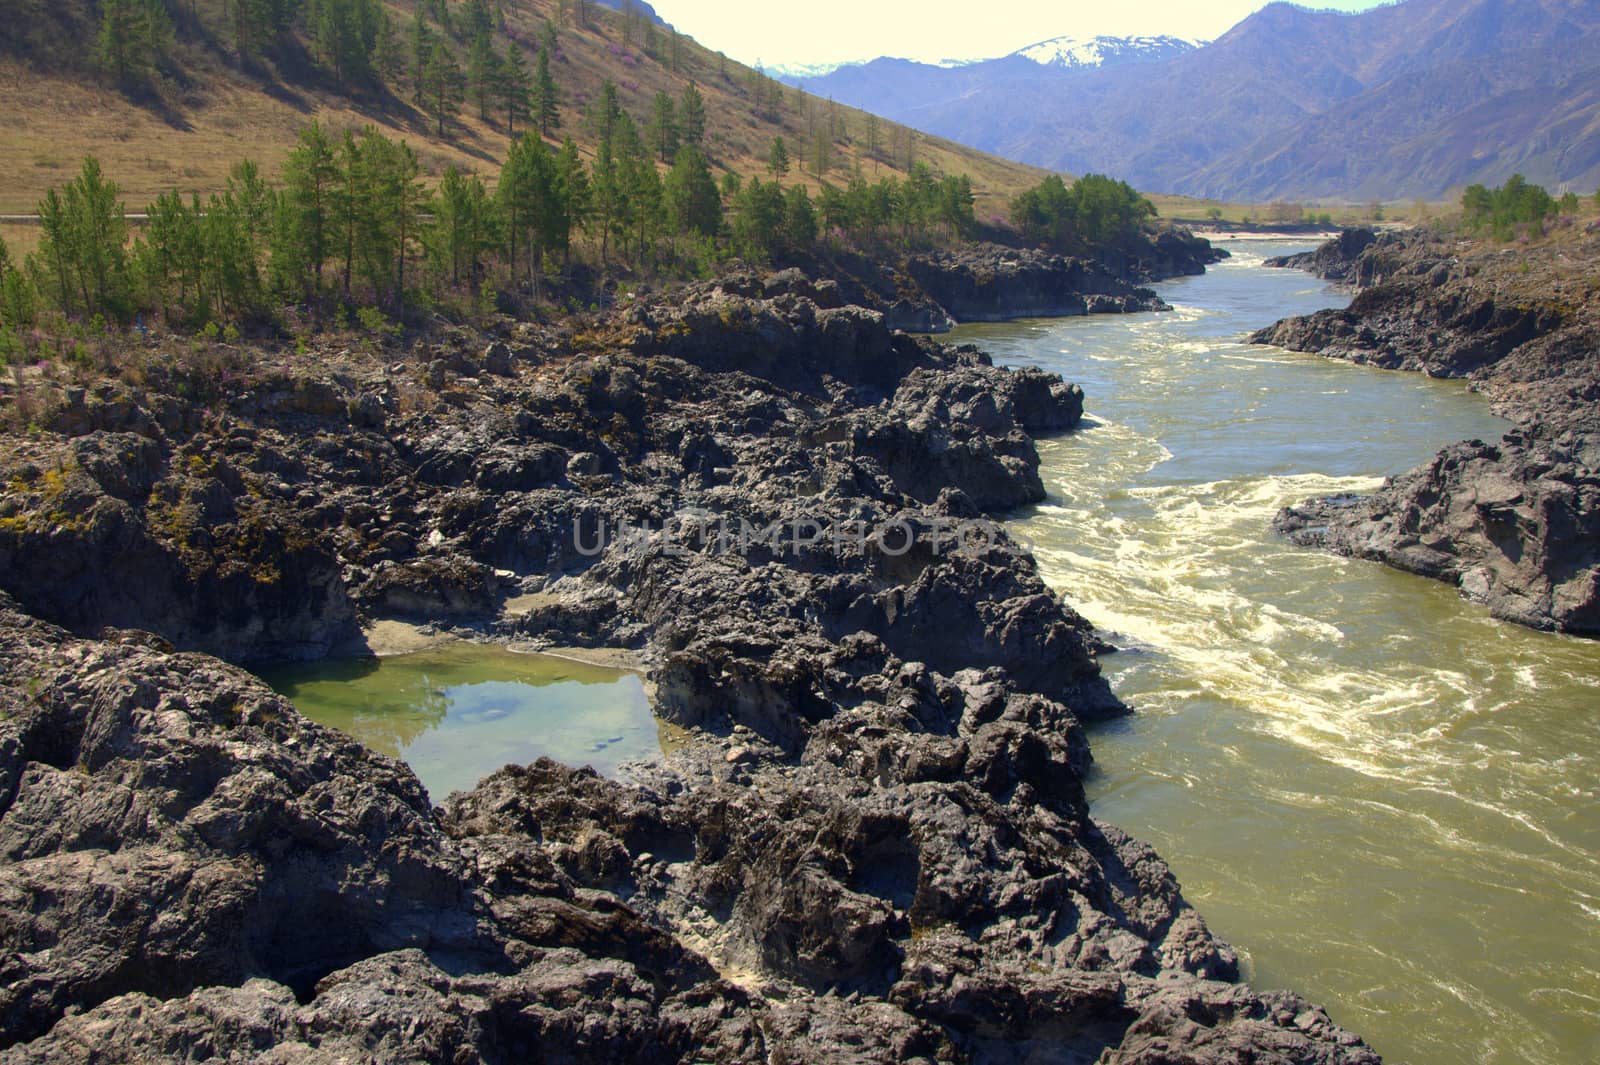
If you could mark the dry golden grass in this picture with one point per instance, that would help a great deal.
(225, 116)
(20, 239)
(1192, 209)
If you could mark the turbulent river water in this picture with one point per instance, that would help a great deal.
(1385, 799)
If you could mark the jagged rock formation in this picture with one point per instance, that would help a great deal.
(929, 293)
(876, 849)
(1514, 524)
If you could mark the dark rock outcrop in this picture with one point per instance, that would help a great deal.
(1513, 524)
(930, 293)
(875, 847)
(997, 284)
(1338, 260)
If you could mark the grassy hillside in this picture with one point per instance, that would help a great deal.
(206, 109)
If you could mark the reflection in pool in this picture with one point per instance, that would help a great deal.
(458, 713)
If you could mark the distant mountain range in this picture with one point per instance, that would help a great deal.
(1074, 53)
(1065, 53)
(1412, 99)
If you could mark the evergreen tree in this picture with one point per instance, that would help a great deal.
(758, 216)
(778, 158)
(168, 259)
(799, 218)
(606, 197)
(117, 46)
(444, 88)
(476, 20)
(874, 137)
(546, 97)
(547, 39)
(422, 44)
(388, 58)
(304, 233)
(692, 117)
(230, 260)
(483, 73)
(343, 208)
(17, 305)
(533, 205)
(463, 226)
(514, 87)
(641, 211)
(605, 112)
(663, 131)
(693, 203)
(84, 233)
(155, 29)
(574, 185)
(345, 36)
(388, 209)
(821, 152)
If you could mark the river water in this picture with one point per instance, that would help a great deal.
(1385, 799)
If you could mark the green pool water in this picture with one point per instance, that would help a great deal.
(457, 713)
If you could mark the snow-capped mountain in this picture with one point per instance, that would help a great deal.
(798, 73)
(1079, 53)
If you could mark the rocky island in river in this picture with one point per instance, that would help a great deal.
(875, 847)
(1514, 523)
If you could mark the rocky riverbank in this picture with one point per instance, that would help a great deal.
(1514, 523)
(931, 293)
(876, 848)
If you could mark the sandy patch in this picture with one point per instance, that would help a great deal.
(402, 638)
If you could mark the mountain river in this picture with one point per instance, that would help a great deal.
(1384, 798)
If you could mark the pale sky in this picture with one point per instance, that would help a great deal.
(792, 32)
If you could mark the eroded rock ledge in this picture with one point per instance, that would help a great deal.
(1515, 523)
(876, 849)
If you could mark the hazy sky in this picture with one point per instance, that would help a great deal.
(826, 31)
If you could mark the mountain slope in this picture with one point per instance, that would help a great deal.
(1293, 102)
(210, 110)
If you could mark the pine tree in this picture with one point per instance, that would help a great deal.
(462, 229)
(693, 203)
(605, 111)
(421, 49)
(574, 185)
(83, 236)
(606, 196)
(546, 97)
(663, 131)
(821, 152)
(533, 204)
(547, 38)
(483, 73)
(388, 59)
(117, 46)
(155, 29)
(874, 138)
(642, 209)
(303, 236)
(778, 158)
(692, 117)
(444, 89)
(476, 19)
(168, 259)
(514, 87)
